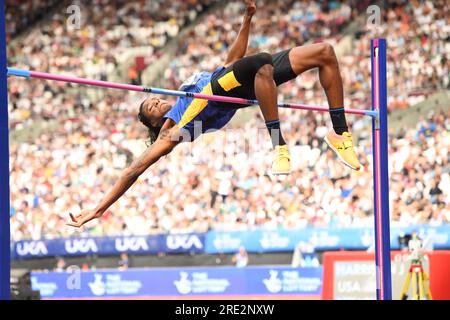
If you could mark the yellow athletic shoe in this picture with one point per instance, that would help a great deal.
(342, 145)
(282, 162)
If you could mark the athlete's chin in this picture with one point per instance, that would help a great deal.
(166, 108)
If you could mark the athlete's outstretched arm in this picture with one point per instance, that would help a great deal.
(239, 46)
(163, 145)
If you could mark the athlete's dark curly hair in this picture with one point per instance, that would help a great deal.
(153, 131)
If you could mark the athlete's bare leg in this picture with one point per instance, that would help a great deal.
(322, 56)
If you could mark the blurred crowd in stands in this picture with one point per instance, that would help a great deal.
(91, 49)
(220, 182)
(20, 15)
(417, 34)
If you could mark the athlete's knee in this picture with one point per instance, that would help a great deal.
(266, 71)
(326, 53)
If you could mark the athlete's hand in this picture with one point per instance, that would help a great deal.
(83, 217)
(251, 7)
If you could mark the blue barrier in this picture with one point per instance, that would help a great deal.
(179, 282)
(322, 238)
(260, 240)
(175, 243)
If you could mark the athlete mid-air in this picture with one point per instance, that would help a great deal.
(249, 77)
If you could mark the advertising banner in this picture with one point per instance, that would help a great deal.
(180, 282)
(258, 240)
(174, 243)
(321, 238)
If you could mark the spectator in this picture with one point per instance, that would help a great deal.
(240, 259)
(124, 261)
(60, 265)
(435, 192)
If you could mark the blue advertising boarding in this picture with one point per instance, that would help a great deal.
(322, 238)
(212, 242)
(179, 282)
(174, 243)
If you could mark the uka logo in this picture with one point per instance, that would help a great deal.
(31, 248)
(175, 242)
(80, 246)
(131, 244)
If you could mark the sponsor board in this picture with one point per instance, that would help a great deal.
(183, 243)
(259, 240)
(182, 282)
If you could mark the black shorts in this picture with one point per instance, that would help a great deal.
(237, 80)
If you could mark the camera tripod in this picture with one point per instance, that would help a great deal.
(420, 282)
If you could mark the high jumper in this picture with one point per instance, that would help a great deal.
(248, 77)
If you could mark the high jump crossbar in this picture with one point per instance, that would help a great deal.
(379, 134)
(130, 87)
